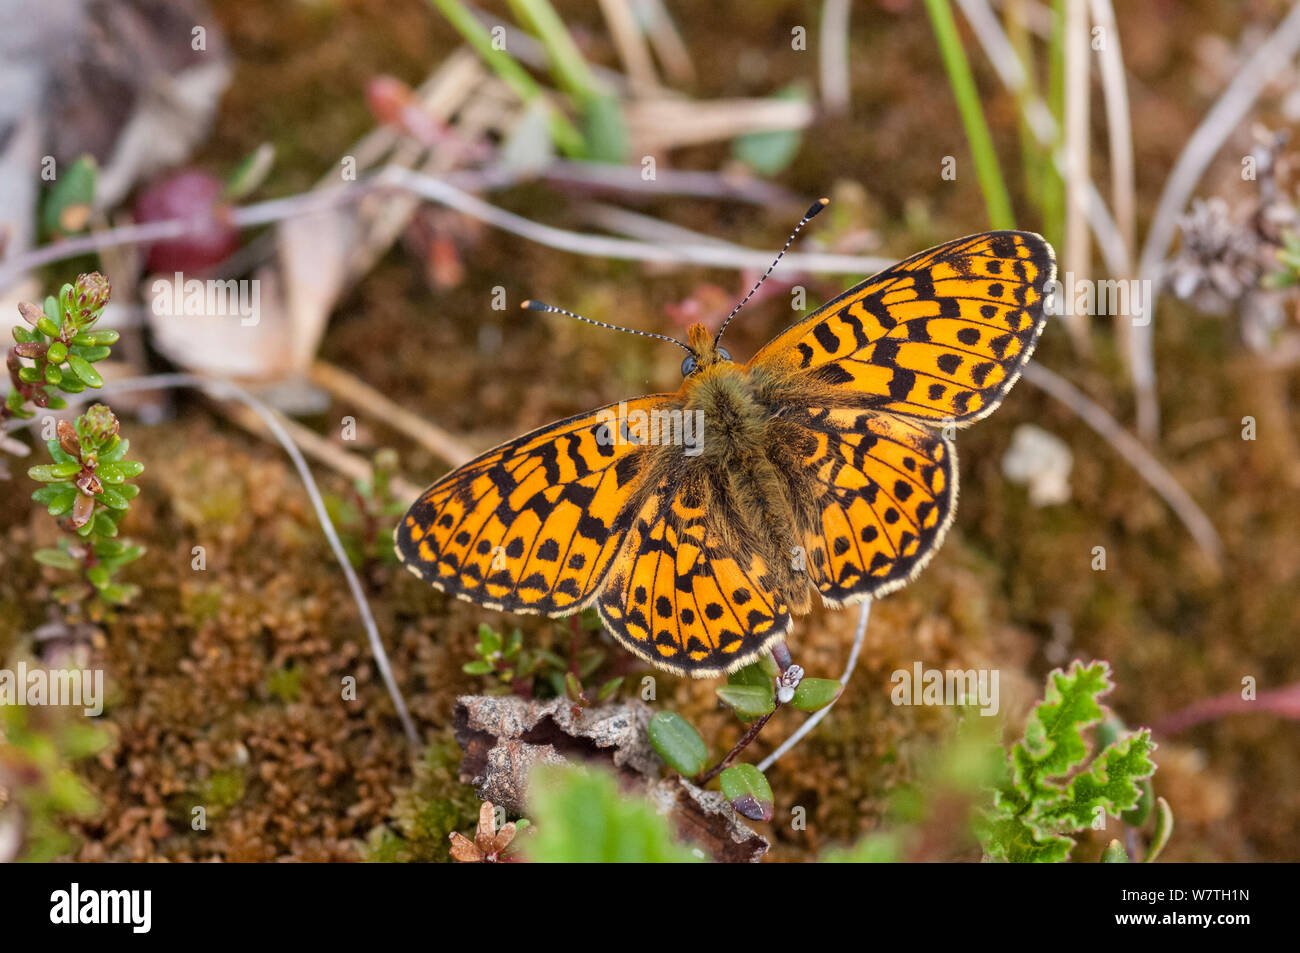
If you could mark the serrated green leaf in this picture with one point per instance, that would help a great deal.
(1114, 853)
(678, 743)
(1111, 783)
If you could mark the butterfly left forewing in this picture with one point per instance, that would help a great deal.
(883, 492)
(533, 525)
(679, 598)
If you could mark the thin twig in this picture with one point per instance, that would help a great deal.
(1275, 54)
(631, 44)
(440, 191)
(222, 389)
(745, 740)
(1076, 256)
(863, 615)
(1119, 137)
(350, 388)
(351, 465)
(1137, 455)
(1006, 62)
(833, 58)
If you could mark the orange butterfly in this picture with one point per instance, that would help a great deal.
(696, 522)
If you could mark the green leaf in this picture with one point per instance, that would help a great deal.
(749, 701)
(1164, 828)
(63, 502)
(87, 374)
(1110, 784)
(57, 352)
(882, 847)
(120, 471)
(609, 688)
(489, 640)
(580, 817)
(101, 338)
(751, 675)
(91, 354)
(748, 791)
(67, 205)
(103, 524)
(118, 593)
(478, 667)
(99, 576)
(1114, 853)
(604, 129)
(769, 153)
(1034, 808)
(115, 451)
(113, 498)
(58, 558)
(678, 743)
(814, 694)
(50, 472)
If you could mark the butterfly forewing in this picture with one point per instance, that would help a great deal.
(533, 525)
(940, 336)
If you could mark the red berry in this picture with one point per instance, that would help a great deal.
(191, 195)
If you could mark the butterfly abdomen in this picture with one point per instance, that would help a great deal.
(753, 512)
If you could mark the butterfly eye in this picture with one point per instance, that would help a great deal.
(688, 364)
(724, 354)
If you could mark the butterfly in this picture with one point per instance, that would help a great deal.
(697, 522)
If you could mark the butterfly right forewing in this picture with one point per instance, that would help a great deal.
(941, 336)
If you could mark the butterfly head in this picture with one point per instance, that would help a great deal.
(704, 351)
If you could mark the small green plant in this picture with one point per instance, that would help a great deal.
(56, 356)
(86, 488)
(1050, 788)
(366, 515)
(754, 693)
(36, 769)
(580, 817)
(539, 672)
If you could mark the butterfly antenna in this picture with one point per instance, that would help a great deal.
(542, 306)
(816, 207)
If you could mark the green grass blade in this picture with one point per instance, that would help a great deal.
(989, 173)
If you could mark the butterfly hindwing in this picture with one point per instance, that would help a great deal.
(678, 599)
(533, 525)
(940, 336)
(888, 491)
